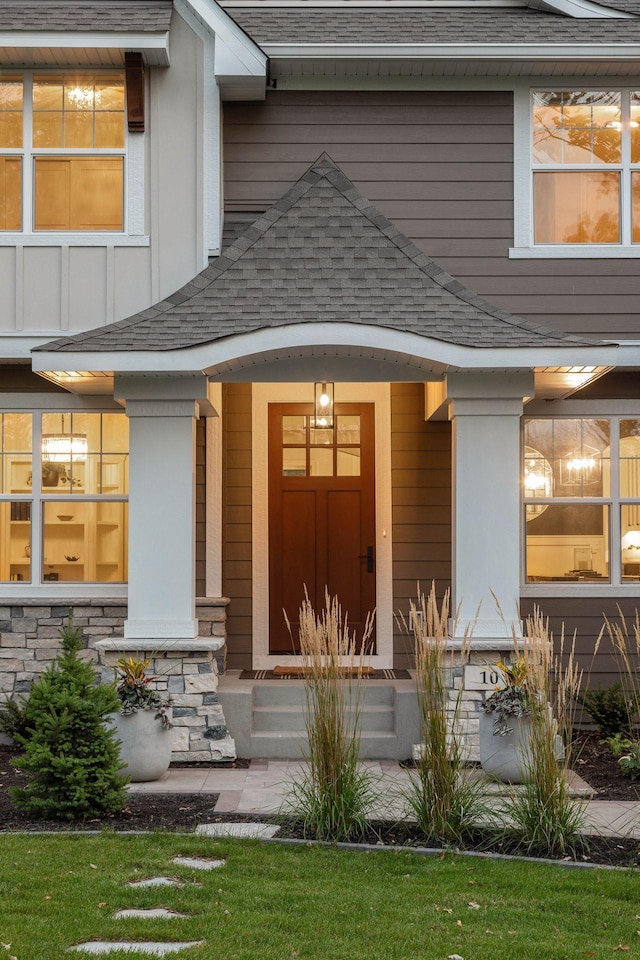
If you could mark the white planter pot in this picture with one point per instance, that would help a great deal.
(505, 758)
(145, 745)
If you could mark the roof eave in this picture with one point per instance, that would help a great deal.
(40, 47)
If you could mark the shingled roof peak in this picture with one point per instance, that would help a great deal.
(321, 253)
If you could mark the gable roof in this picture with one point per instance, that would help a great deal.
(77, 15)
(322, 253)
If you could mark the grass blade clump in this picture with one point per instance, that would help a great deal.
(333, 796)
(446, 801)
(546, 818)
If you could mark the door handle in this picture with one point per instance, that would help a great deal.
(368, 556)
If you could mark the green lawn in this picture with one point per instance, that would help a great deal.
(277, 903)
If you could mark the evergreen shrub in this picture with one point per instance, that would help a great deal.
(71, 754)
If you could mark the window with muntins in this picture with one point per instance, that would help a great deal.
(63, 497)
(585, 157)
(581, 495)
(62, 152)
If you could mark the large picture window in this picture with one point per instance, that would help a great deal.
(581, 492)
(62, 152)
(63, 497)
(585, 148)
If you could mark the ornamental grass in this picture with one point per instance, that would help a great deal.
(333, 796)
(545, 817)
(444, 799)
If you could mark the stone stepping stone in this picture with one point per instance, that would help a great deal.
(198, 863)
(245, 831)
(155, 948)
(152, 913)
(157, 882)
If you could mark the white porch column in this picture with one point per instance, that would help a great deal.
(162, 415)
(485, 410)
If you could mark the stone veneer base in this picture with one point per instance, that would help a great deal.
(187, 671)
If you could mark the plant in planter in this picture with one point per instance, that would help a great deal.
(505, 724)
(143, 724)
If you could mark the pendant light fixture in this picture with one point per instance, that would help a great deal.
(323, 405)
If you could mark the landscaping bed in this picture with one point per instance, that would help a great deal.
(142, 812)
(183, 812)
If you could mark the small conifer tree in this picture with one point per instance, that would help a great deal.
(70, 754)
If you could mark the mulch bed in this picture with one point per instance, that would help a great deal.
(183, 812)
(142, 812)
(600, 768)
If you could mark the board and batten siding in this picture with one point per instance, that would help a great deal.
(236, 521)
(54, 288)
(439, 165)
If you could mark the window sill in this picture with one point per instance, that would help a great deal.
(579, 588)
(595, 251)
(72, 240)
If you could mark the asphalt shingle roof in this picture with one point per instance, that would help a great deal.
(322, 253)
(104, 15)
(438, 25)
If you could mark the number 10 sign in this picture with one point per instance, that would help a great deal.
(479, 677)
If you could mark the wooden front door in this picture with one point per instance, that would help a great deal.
(321, 515)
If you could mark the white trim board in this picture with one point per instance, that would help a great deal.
(262, 395)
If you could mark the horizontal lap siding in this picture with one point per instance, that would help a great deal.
(584, 616)
(236, 519)
(421, 503)
(405, 151)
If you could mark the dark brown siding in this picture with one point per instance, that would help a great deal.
(421, 498)
(201, 507)
(585, 616)
(18, 378)
(236, 520)
(440, 166)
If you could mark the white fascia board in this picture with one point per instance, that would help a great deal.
(453, 51)
(155, 45)
(250, 349)
(236, 53)
(579, 9)
(19, 347)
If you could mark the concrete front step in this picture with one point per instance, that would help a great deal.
(289, 717)
(267, 717)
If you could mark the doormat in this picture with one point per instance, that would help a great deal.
(281, 673)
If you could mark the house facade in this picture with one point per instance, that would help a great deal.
(315, 293)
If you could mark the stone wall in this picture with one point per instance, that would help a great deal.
(187, 670)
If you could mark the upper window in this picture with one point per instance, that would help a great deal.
(62, 152)
(585, 150)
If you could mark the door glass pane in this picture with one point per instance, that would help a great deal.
(321, 462)
(348, 461)
(294, 462)
(630, 458)
(322, 437)
(15, 541)
(579, 207)
(294, 429)
(567, 542)
(348, 429)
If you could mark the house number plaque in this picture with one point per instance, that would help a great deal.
(479, 677)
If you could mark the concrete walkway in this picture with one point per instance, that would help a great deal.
(262, 787)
